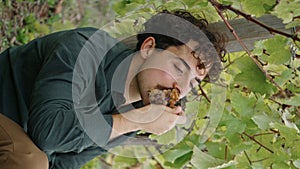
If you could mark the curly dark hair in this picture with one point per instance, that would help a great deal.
(175, 28)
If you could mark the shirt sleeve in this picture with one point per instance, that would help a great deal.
(74, 160)
(63, 94)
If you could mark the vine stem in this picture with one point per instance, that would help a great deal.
(159, 166)
(261, 134)
(219, 8)
(253, 139)
(248, 158)
(204, 94)
(248, 17)
(104, 161)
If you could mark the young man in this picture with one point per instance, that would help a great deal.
(78, 93)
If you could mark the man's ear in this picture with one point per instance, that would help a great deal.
(148, 46)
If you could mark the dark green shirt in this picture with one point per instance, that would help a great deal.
(63, 89)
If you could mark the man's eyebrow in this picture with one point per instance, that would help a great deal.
(185, 64)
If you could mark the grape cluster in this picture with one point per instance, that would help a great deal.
(168, 97)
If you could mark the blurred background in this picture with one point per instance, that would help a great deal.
(259, 126)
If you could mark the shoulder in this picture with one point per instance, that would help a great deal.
(74, 40)
(75, 35)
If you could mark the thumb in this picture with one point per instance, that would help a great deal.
(181, 115)
(177, 110)
(181, 119)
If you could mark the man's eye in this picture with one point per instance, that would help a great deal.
(178, 69)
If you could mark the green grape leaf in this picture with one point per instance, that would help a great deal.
(123, 7)
(244, 105)
(261, 107)
(238, 148)
(287, 9)
(201, 160)
(297, 163)
(176, 152)
(252, 77)
(284, 77)
(216, 149)
(262, 121)
(259, 50)
(293, 87)
(293, 101)
(172, 5)
(295, 152)
(257, 7)
(292, 24)
(195, 3)
(181, 161)
(235, 126)
(207, 11)
(121, 162)
(192, 107)
(232, 128)
(278, 49)
(148, 164)
(227, 2)
(280, 165)
(289, 134)
(166, 138)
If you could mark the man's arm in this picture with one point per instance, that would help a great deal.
(152, 118)
(75, 160)
(53, 121)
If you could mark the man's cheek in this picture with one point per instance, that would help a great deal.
(164, 76)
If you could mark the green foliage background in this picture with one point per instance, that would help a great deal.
(256, 125)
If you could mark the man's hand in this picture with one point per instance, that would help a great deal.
(152, 118)
(160, 118)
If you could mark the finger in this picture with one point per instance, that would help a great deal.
(181, 119)
(145, 114)
(178, 110)
(175, 110)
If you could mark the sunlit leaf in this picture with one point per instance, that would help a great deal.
(202, 160)
(294, 100)
(178, 155)
(181, 161)
(244, 105)
(262, 121)
(257, 7)
(123, 162)
(278, 56)
(287, 9)
(169, 137)
(252, 77)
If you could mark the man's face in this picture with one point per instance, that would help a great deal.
(175, 67)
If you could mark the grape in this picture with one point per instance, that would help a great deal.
(168, 97)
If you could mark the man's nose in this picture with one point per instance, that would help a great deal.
(183, 84)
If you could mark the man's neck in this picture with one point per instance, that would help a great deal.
(132, 92)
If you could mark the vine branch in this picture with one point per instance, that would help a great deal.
(204, 94)
(253, 139)
(219, 8)
(104, 161)
(249, 18)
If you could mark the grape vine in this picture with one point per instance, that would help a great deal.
(259, 125)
